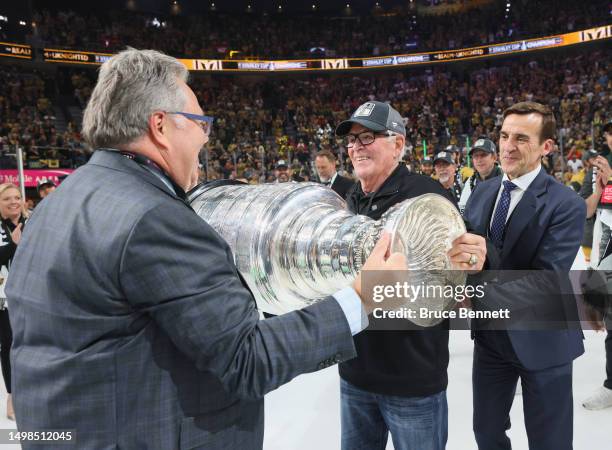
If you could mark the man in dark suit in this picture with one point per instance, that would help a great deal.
(131, 323)
(532, 223)
(325, 163)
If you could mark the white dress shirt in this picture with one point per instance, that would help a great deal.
(522, 183)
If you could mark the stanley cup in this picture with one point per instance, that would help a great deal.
(295, 243)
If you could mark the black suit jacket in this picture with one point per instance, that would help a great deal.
(543, 234)
(342, 185)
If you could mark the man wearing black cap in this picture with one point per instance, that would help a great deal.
(45, 187)
(398, 381)
(446, 171)
(484, 158)
(427, 166)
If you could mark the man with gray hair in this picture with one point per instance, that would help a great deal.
(132, 326)
(398, 381)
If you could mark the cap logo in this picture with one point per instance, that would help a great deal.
(479, 143)
(364, 110)
(442, 155)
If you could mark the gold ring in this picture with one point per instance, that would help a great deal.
(473, 260)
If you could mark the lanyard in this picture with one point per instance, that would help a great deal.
(152, 167)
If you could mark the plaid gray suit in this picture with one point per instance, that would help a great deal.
(132, 327)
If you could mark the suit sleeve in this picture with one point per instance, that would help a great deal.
(175, 267)
(563, 236)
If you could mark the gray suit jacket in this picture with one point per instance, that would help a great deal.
(132, 327)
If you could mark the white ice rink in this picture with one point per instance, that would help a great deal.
(305, 414)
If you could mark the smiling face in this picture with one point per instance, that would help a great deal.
(445, 172)
(519, 142)
(484, 162)
(373, 163)
(11, 203)
(427, 168)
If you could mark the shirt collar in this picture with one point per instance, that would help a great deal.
(524, 181)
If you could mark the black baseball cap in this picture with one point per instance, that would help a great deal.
(485, 145)
(281, 163)
(375, 116)
(44, 183)
(589, 154)
(444, 156)
(452, 148)
(427, 160)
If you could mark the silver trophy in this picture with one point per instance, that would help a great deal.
(295, 243)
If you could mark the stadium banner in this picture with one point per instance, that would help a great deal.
(75, 56)
(11, 50)
(33, 176)
(249, 65)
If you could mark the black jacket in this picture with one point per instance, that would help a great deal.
(398, 362)
(342, 185)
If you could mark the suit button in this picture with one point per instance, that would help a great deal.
(338, 357)
(321, 365)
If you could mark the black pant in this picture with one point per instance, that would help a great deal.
(6, 339)
(547, 397)
(608, 382)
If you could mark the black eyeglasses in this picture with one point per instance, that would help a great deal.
(364, 138)
(204, 122)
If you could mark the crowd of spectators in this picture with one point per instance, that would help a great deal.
(27, 120)
(214, 35)
(292, 119)
(259, 122)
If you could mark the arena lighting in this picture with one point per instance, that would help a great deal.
(22, 23)
(3, 19)
(314, 7)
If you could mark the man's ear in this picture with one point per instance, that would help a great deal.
(158, 129)
(548, 146)
(400, 141)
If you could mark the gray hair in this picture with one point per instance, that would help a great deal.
(131, 86)
(392, 134)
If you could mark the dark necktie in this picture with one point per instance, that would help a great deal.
(501, 212)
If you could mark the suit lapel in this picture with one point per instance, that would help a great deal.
(488, 203)
(524, 211)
